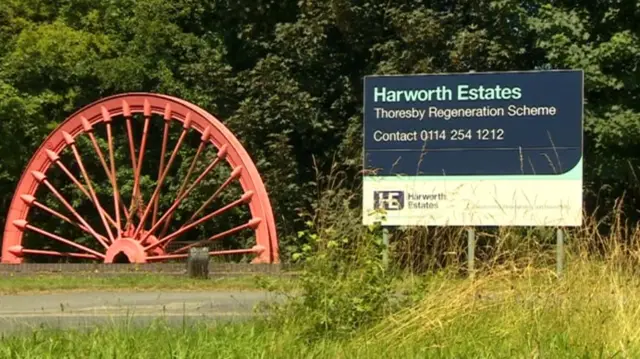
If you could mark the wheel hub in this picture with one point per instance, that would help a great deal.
(127, 248)
(132, 248)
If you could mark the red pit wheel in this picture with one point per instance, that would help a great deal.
(71, 199)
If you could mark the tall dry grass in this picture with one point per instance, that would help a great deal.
(517, 306)
(338, 208)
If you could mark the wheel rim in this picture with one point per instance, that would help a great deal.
(140, 229)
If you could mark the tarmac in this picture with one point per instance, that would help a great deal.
(90, 309)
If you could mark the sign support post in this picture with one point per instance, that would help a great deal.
(471, 252)
(559, 252)
(385, 243)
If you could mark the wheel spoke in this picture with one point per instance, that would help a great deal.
(235, 174)
(221, 155)
(71, 142)
(53, 157)
(204, 140)
(31, 201)
(246, 198)
(156, 192)
(212, 253)
(136, 200)
(22, 251)
(40, 177)
(163, 151)
(24, 225)
(253, 224)
(106, 117)
(126, 110)
(94, 142)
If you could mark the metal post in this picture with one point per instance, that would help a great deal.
(385, 243)
(471, 251)
(559, 252)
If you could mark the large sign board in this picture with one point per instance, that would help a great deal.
(474, 149)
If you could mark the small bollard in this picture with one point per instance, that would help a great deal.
(198, 263)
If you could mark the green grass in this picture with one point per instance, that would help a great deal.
(594, 312)
(76, 282)
(15, 284)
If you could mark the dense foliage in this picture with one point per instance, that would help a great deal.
(286, 76)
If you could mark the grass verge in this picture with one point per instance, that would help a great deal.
(43, 283)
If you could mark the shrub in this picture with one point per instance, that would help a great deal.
(344, 284)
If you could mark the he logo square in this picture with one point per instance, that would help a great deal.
(388, 200)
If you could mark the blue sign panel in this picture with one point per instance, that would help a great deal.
(507, 123)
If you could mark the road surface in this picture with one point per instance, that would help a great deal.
(88, 309)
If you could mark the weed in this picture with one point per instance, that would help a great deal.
(343, 285)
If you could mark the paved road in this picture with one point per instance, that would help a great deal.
(86, 309)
